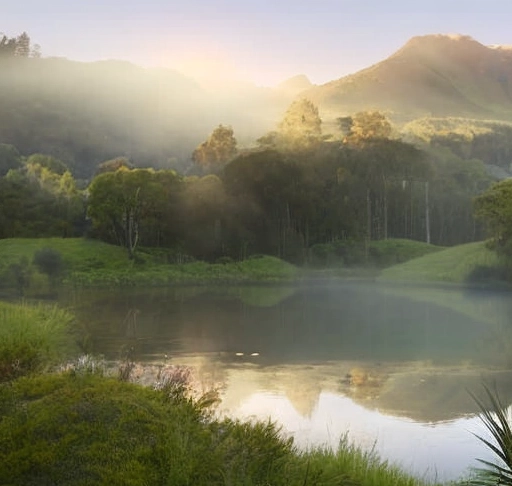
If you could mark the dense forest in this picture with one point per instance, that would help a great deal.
(64, 172)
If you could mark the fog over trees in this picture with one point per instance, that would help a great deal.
(79, 156)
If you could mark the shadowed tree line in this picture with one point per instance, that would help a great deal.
(296, 189)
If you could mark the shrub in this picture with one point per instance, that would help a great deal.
(49, 262)
(224, 260)
(498, 423)
(31, 338)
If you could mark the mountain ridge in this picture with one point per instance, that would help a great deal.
(430, 75)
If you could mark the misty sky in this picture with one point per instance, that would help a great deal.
(264, 41)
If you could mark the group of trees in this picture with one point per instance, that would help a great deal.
(295, 189)
(38, 197)
(19, 46)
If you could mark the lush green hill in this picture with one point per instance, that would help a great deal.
(86, 113)
(93, 263)
(469, 263)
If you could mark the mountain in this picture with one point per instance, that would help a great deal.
(431, 75)
(86, 113)
(295, 85)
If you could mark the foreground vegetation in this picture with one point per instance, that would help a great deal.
(32, 338)
(82, 428)
(81, 424)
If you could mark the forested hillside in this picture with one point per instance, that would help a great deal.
(431, 75)
(113, 151)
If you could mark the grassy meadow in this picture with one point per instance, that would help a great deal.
(471, 263)
(94, 263)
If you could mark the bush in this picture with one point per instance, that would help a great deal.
(86, 429)
(31, 338)
(224, 260)
(49, 262)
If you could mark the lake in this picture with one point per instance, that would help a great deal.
(388, 366)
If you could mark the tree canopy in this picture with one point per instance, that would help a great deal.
(494, 207)
(218, 149)
(299, 130)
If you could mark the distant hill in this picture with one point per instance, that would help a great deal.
(432, 75)
(86, 113)
(295, 85)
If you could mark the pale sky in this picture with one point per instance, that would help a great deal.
(263, 41)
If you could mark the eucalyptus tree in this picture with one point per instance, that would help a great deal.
(217, 150)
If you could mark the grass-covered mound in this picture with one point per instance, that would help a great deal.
(81, 428)
(91, 263)
(379, 254)
(469, 263)
(32, 337)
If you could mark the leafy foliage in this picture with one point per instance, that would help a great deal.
(494, 206)
(299, 130)
(82, 428)
(219, 149)
(49, 262)
(365, 126)
(31, 338)
(497, 421)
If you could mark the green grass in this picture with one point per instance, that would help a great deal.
(77, 253)
(94, 263)
(462, 264)
(82, 428)
(378, 254)
(32, 337)
(395, 250)
(351, 465)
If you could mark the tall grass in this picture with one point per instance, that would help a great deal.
(85, 428)
(31, 338)
(351, 465)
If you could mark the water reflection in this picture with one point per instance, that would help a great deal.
(391, 365)
(441, 452)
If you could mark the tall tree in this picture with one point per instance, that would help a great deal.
(218, 149)
(494, 207)
(22, 45)
(365, 126)
(299, 130)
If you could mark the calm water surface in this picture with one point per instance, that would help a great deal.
(390, 367)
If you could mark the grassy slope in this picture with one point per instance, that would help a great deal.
(81, 428)
(453, 265)
(90, 262)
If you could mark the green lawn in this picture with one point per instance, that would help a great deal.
(462, 264)
(94, 263)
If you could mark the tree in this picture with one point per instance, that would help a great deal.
(494, 207)
(129, 207)
(22, 45)
(114, 164)
(35, 51)
(204, 209)
(49, 262)
(299, 130)
(7, 46)
(219, 149)
(9, 158)
(364, 126)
